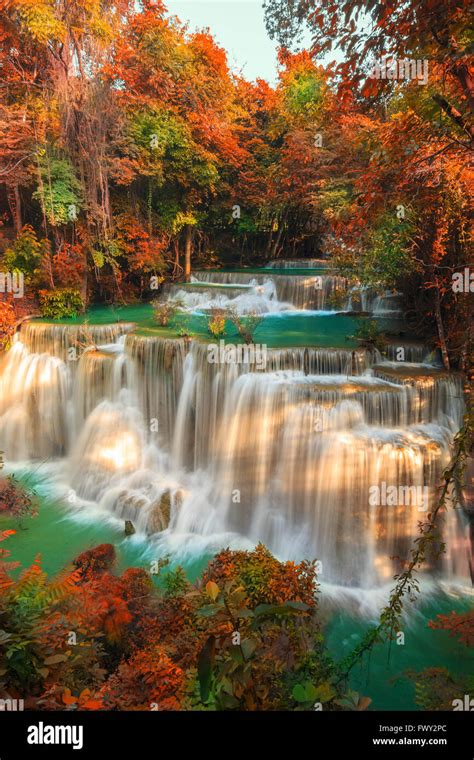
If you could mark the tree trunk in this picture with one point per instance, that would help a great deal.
(188, 233)
(84, 282)
(278, 237)
(440, 326)
(150, 207)
(14, 202)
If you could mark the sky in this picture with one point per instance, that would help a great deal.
(238, 26)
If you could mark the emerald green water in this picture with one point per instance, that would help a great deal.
(280, 330)
(382, 675)
(58, 538)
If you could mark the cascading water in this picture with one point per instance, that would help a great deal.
(199, 453)
(297, 263)
(264, 292)
(386, 304)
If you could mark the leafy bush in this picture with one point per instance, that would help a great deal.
(61, 303)
(246, 325)
(216, 322)
(163, 312)
(15, 500)
(7, 324)
(244, 636)
(370, 335)
(26, 254)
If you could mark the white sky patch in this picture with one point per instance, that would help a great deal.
(239, 27)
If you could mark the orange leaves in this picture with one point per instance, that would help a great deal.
(149, 680)
(68, 265)
(84, 701)
(370, 87)
(144, 252)
(212, 590)
(266, 579)
(95, 561)
(4, 534)
(7, 324)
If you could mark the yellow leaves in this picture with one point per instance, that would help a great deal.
(40, 20)
(212, 590)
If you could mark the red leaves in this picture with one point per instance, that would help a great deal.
(149, 680)
(460, 626)
(96, 561)
(370, 87)
(68, 265)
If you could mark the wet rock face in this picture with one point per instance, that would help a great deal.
(160, 512)
(129, 528)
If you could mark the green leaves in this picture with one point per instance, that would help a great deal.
(204, 667)
(307, 694)
(26, 253)
(60, 191)
(61, 303)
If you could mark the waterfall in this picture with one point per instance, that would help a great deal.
(300, 453)
(34, 393)
(297, 263)
(276, 292)
(365, 299)
(57, 340)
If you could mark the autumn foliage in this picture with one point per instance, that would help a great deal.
(244, 636)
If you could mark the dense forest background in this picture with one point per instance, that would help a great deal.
(129, 151)
(131, 154)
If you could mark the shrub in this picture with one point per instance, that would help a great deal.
(27, 253)
(149, 680)
(245, 326)
(369, 334)
(163, 312)
(244, 636)
(15, 499)
(7, 325)
(95, 561)
(216, 322)
(61, 303)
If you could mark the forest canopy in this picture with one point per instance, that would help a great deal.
(129, 150)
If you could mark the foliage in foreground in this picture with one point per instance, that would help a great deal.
(244, 636)
(61, 303)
